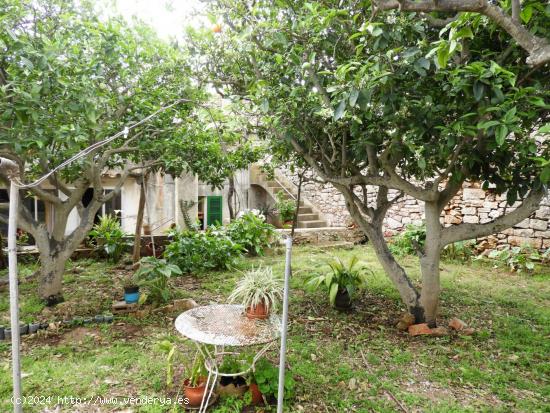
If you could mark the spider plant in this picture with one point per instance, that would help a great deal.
(259, 287)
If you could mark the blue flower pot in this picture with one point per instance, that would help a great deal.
(131, 295)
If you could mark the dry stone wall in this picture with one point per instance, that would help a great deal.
(471, 205)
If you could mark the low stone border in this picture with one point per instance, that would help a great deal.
(33, 328)
(179, 306)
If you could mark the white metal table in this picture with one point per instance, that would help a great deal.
(221, 325)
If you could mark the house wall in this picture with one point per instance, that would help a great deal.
(242, 185)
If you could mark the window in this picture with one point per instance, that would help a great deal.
(36, 207)
(112, 207)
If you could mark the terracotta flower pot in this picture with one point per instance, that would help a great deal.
(194, 394)
(257, 397)
(259, 311)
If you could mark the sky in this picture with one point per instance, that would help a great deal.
(168, 17)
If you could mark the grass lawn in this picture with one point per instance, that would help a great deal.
(355, 362)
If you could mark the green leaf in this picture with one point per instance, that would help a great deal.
(526, 13)
(423, 62)
(488, 124)
(264, 107)
(364, 99)
(354, 94)
(479, 90)
(332, 293)
(545, 175)
(422, 163)
(545, 128)
(27, 63)
(339, 112)
(442, 56)
(501, 132)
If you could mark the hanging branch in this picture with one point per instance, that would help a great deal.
(538, 48)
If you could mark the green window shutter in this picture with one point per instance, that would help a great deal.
(214, 210)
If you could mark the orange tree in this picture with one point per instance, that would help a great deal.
(382, 103)
(69, 80)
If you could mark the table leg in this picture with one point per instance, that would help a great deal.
(204, 405)
(213, 386)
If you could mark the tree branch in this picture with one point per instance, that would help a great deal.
(463, 232)
(538, 48)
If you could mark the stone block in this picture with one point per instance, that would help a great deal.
(473, 193)
(393, 223)
(522, 224)
(542, 234)
(419, 329)
(524, 232)
(495, 213)
(469, 211)
(470, 219)
(538, 224)
(521, 241)
(543, 212)
(490, 205)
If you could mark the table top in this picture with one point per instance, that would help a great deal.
(227, 325)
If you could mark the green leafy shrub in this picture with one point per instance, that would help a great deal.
(108, 238)
(459, 251)
(266, 376)
(341, 278)
(516, 258)
(202, 251)
(154, 273)
(404, 243)
(252, 232)
(285, 207)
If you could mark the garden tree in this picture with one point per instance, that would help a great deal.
(69, 80)
(385, 104)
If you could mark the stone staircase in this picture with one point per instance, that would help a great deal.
(307, 216)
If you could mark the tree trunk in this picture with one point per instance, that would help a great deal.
(397, 275)
(373, 230)
(52, 268)
(139, 224)
(230, 196)
(429, 264)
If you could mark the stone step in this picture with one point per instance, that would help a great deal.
(305, 210)
(312, 224)
(307, 217)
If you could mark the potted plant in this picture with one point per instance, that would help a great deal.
(194, 383)
(341, 282)
(259, 291)
(131, 291)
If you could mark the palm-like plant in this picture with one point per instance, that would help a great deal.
(342, 278)
(259, 286)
